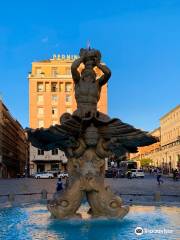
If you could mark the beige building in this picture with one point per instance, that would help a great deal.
(170, 138)
(166, 152)
(147, 151)
(170, 126)
(51, 93)
(13, 145)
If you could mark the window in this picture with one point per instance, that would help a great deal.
(38, 71)
(40, 87)
(40, 123)
(54, 87)
(61, 87)
(68, 87)
(55, 151)
(68, 71)
(40, 152)
(68, 98)
(40, 99)
(40, 111)
(54, 98)
(54, 111)
(54, 166)
(69, 110)
(54, 72)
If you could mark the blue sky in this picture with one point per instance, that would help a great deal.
(139, 41)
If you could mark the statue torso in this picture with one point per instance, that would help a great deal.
(87, 92)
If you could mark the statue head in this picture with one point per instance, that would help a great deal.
(89, 53)
(90, 57)
(91, 136)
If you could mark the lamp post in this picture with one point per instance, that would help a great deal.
(166, 164)
(170, 166)
(27, 161)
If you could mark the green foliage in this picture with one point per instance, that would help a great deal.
(145, 162)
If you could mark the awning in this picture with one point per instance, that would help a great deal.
(47, 161)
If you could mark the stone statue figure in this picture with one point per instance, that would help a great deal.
(87, 137)
(87, 87)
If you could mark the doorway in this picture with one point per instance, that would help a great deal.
(40, 167)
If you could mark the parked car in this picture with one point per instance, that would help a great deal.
(137, 173)
(62, 174)
(43, 175)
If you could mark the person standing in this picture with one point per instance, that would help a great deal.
(59, 186)
(175, 175)
(129, 174)
(65, 182)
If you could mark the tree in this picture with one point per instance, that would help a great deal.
(145, 162)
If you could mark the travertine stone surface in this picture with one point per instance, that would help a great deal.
(87, 137)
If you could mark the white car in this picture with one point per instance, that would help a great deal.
(44, 175)
(137, 173)
(63, 174)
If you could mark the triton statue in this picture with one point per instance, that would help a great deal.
(87, 137)
(87, 87)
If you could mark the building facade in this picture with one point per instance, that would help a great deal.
(170, 139)
(166, 152)
(13, 146)
(145, 151)
(51, 93)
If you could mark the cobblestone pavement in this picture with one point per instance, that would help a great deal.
(131, 190)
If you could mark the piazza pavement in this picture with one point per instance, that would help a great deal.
(133, 191)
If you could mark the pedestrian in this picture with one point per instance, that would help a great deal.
(129, 174)
(66, 182)
(159, 180)
(155, 171)
(175, 175)
(59, 186)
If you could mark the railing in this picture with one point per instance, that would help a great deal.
(11, 196)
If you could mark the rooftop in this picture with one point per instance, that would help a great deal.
(172, 110)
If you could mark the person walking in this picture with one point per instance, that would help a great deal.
(159, 174)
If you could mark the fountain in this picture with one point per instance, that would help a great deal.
(87, 137)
